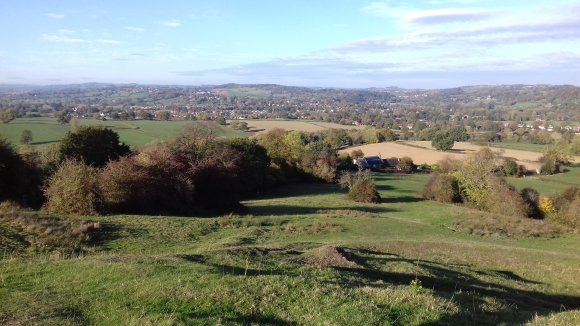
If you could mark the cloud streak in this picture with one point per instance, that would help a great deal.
(53, 15)
(66, 38)
(173, 23)
(134, 29)
(444, 16)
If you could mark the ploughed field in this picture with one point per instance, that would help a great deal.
(304, 255)
(422, 152)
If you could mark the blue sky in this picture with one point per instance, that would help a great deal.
(340, 43)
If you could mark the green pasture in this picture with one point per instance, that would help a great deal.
(303, 255)
(519, 146)
(134, 133)
(549, 185)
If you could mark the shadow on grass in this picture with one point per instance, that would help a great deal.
(44, 142)
(402, 199)
(259, 320)
(303, 189)
(471, 294)
(224, 269)
(273, 210)
(111, 231)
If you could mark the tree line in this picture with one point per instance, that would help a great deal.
(92, 172)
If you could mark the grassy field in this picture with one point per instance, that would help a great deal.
(549, 185)
(261, 126)
(304, 255)
(134, 133)
(520, 146)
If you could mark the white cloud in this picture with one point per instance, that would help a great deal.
(53, 15)
(62, 39)
(108, 42)
(171, 23)
(134, 29)
(448, 15)
(67, 31)
(67, 38)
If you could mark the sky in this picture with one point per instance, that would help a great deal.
(318, 43)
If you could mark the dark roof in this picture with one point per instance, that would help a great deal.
(372, 160)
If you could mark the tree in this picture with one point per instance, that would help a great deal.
(63, 117)
(442, 141)
(7, 115)
(20, 176)
(93, 145)
(220, 121)
(164, 115)
(26, 137)
(239, 125)
(458, 133)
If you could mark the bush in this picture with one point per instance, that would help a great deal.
(126, 187)
(443, 188)
(549, 167)
(73, 189)
(20, 176)
(510, 167)
(567, 208)
(448, 165)
(405, 164)
(532, 199)
(361, 187)
(505, 200)
(357, 153)
(546, 206)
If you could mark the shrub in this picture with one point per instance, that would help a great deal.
(549, 167)
(448, 165)
(254, 164)
(477, 178)
(505, 200)
(510, 167)
(73, 189)
(357, 153)
(443, 188)
(126, 187)
(361, 187)
(567, 208)
(532, 199)
(165, 188)
(546, 206)
(20, 176)
(405, 164)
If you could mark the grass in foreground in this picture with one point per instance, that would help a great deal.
(305, 256)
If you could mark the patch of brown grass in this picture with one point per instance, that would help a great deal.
(50, 233)
(338, 213)
(329, 256)
(314, 228)
(486, 224)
